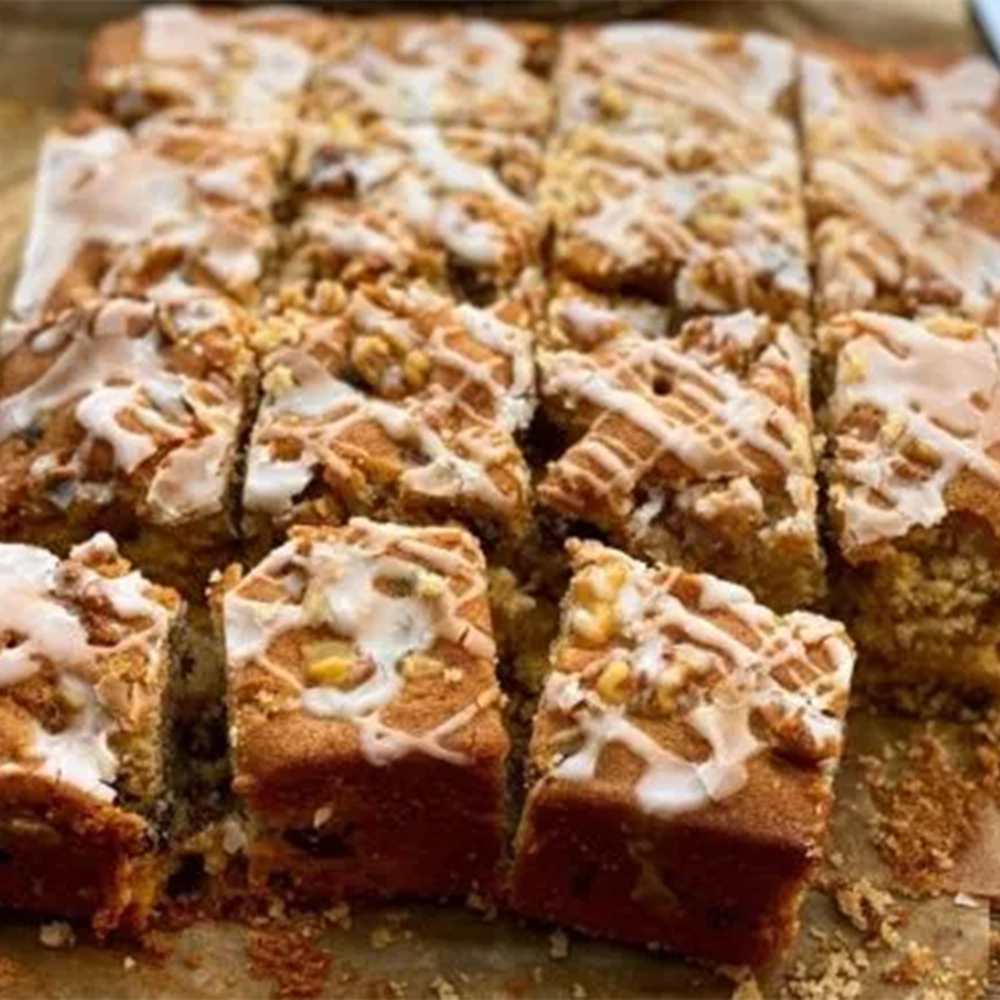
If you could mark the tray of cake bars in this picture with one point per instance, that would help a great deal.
(496, 508)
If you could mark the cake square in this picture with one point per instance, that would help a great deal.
(453, 203)
(176, 203)
(467, 71)
(706, 221)
(85, 665)
(693, 450)
(914, 480)
(365, 714)
(681, 762)
(250, 67)
(396, 402)
(125, 415)
(903, 161)
(648, 76)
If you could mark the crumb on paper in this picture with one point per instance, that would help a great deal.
(747, 989)
(965, 900)
(444, 990)
(339, 915)
(870, 910)
(382, 937)
(579, 991)
(836, 975)
(298, 966)
(57, 934)
(558, 945)
(129, 963)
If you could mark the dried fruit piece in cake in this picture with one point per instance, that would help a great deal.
(449, 203)
(177, 203)
(251, 67)
(466, 71)
(85, 653)
(649, 76)
(395, 402)
(903, 163)
(915, 498)
(710, 222)
(681, 761)
(695, 450)
(365, 713)
(125, 415)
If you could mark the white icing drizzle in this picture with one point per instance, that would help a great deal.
(788, 676)
(716, 231)
(111, 365)
(451, 70)
(891, 174)
(648, 75)
(348, 581)
(128, 197)
(718, 424)
(44, 608)
(937, 401)
(461, 421)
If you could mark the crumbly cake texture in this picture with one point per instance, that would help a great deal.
(250, 67)
(464, 71)
(695, 450)
(454, 203)
(902, 161)
(648, 76)
(708, 221)
(365, 713)
(915, 497)
(177, 203)
(84, 670)
(682, 761)
(126, 415)
(396, 402)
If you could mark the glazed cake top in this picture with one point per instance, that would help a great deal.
(689, 675)
(917, 421)
(905, 159)
(725, 402)
(467, 190)
(123, 213)
(83, 660)
(645, 75)
(124, 399)
(370, 639)
(401, 377)
(447, 70)
(250, 67)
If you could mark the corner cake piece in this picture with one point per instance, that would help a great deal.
(251, 67)
(394, 402)
(450, 203)
(903, 164)
(84, 673)
(695, 450)
(124, 415)
(176, 203)
(640, 75)
(681, 762)
(706, 221)
(365, 714)
(466, 71)
(914, 488)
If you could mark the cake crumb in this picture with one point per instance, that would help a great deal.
(382, 937)
(558, 945)
(915, 965)
(57, 934)
(444, 990)
(836, 975)
(297, 965)
(869, 909)
(579, 991)
(129, 963)
(339, 915)
(747, 989)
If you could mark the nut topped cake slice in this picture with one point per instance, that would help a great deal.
(395, 402)
(466, 71)
(640, 75)
(706, 221)
(681, 762)
(365, 713)
(126, 415)
(915, 498)
(251, 67)
(695, 450)
(84, 670)
(903, 164)
(441, 202)
(176, 203)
